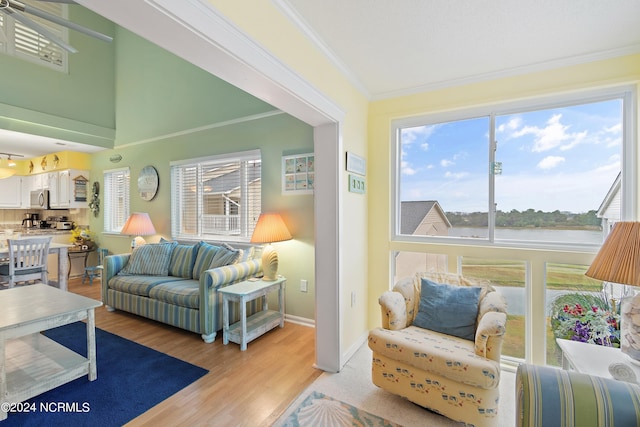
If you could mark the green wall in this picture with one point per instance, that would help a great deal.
(167, 110)
(78, 105)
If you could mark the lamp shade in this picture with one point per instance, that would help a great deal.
(618, 260)
(138, 224)
(270, 228)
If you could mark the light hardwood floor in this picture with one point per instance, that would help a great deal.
(250, 388)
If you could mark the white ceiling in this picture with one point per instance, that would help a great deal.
(394, 48)
(28, 146)
(391, 48)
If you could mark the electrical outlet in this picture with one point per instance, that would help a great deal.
(353, 299)
(303, 285)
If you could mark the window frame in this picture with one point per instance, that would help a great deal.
(176, 215)
(629, 165)
(110, 206)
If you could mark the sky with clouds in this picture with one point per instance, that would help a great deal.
(557, 159)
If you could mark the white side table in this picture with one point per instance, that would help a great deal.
(248, 329)
(592, 359)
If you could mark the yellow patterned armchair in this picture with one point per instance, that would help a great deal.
(455, 372)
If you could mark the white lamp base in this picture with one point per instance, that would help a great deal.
(269, 263)
(630, 327)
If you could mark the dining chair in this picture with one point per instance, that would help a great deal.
(95, 270)
(27, 261)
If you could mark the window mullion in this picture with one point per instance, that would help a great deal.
(491, 217)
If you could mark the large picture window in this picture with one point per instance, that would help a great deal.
(551, 173)
(116, 199)
(23, 42)
(216, 197)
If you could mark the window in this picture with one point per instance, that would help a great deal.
(216, 197)
(25, 43)
(116, 199)
(546, 174)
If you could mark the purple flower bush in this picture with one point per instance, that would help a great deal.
(593, 325)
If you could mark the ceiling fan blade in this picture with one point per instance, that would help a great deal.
(18, 16)
(60, 21)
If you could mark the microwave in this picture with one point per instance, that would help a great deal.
(39, 199)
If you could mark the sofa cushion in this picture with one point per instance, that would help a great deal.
(185, 293)
(183, 257)
(226, 255)
(449, 309)
(151, 259)
(138, 285)
(432, 351)
(206, 252)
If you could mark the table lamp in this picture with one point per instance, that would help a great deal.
(138, 224)
(618, 261)
(270, 228)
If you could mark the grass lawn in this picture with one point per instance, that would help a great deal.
(512, 273)
(513, 344)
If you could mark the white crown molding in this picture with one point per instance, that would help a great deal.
(203, 128)
(287, 10)
(510, 72)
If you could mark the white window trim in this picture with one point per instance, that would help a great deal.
(107, 202)
(230, 157)
(629, 164)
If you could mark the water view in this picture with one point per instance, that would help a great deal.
(532, 234)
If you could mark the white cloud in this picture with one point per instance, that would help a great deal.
(615, 129)
(456, 175)
(446, 163)
(513, 124)
(419, 133)
(550, 162)
(424, 146)
(553, 135)
(406, 169)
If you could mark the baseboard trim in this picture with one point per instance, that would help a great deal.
(300, 320)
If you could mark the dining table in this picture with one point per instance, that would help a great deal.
(61, 250)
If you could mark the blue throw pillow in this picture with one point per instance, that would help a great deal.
(448, 309)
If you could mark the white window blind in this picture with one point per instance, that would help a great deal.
(27, 44)
(216, 197)
(116, 199)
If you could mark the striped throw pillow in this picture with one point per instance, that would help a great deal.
(149, 260)
(206, 253)
(183, 258)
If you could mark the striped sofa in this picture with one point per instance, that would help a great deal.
(547, 396)
(177, 283)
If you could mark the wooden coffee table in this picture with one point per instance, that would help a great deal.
(31, 363)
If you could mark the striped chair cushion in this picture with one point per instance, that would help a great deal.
(150, 259)
(183, 257)
(548, 396)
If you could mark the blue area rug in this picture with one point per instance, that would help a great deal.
(131, 379)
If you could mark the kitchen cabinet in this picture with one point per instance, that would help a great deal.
(11, 192)
(62, 189)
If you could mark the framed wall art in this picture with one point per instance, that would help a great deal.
(298, 174)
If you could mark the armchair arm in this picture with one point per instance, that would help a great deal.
(489, 335)
(394, 310)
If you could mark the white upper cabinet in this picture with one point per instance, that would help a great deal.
(11, 192)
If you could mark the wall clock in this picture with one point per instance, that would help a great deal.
(148, 183)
